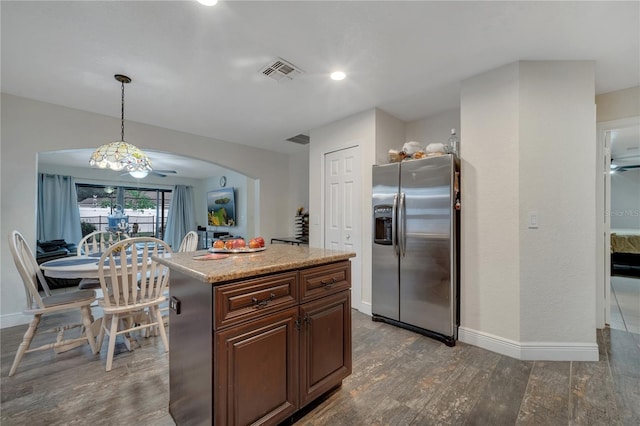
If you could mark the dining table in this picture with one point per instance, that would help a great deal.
(73, 267)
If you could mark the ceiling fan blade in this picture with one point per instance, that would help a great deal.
(625, 168)
(159, 173)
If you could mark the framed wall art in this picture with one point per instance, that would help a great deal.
(221, 207)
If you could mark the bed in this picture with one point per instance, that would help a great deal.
(625, 253)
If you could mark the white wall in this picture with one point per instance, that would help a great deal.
(244, 203)
(389, 134)
(489, 244)
(529, 146)
(435, 128)
(299, 196)
(556, 177)
(358, 129)
(618, 104)
(30, 126)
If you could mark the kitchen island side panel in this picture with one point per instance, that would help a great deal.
(191, 351)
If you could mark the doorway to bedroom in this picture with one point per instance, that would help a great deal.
(622, 215)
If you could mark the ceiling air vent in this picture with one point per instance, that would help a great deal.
(280, 68)
(301, 139)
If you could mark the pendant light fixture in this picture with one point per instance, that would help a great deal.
(120, 155)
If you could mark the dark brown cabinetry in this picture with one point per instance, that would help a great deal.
(277, 342)
(325, 345)
(257, 370)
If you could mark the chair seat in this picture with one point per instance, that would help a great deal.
(68, 298)
(132, 306)
(89, 284)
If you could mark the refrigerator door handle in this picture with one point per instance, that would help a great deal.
(394, 224)
(401, 229)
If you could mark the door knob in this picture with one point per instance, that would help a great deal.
(347, 237)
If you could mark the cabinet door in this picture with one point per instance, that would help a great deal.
(325, 344)
(256, 373)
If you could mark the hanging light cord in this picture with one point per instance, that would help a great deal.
(122, 119)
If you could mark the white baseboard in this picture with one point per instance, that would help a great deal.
(489, 342)
(365, 308)
(530, 351)
(10, 320)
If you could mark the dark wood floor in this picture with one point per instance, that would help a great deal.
(399, 378)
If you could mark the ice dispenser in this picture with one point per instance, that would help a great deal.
(383, 224)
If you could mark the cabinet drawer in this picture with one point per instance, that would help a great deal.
(324, 280)
(249, 299)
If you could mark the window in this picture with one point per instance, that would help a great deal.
(146, 208)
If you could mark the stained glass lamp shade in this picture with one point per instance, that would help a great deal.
(120, 155)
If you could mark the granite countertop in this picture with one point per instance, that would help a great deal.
(276, 258)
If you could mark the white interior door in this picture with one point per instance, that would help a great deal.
(342, 209)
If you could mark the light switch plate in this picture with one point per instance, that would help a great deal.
(533, 220)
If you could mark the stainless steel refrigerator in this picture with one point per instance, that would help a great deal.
(415, 250)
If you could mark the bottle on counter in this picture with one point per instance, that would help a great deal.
(452, 143)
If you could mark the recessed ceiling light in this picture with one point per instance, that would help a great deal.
(338, 75)
(208, 2)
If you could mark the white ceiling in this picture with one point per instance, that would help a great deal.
(625, 146)
(197, 69)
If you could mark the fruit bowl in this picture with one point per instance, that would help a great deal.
(238, 245)
(237, 250)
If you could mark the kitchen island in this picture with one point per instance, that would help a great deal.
(255, 337)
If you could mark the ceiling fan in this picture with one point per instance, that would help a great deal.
(622, 164)
(160, 173)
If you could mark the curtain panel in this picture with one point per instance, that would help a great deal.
(58, 212)
(181, 217)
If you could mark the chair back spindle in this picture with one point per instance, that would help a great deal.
(98, 241)
(29, 271)
(144, 279)
(189, 242)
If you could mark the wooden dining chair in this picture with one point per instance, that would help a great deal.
(189, 242)
(96, 242)
(132, 290)
(38, 305)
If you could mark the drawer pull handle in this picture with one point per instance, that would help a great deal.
(329, 283)
(263, 303)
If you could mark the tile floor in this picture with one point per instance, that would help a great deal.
(399, 378)
(625, 304)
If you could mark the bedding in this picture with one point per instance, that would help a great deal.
(625, 254)
(625, 243)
